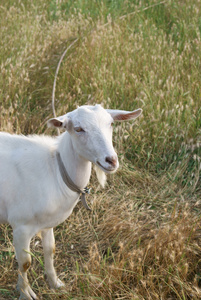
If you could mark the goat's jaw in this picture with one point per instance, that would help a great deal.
(108, 170)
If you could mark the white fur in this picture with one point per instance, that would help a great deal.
(33, 196)
(101, 176)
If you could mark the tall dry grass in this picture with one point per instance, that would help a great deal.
(142, 240)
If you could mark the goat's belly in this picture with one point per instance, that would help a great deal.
(56, 212)
(49, 214)
(3, 209)
(3, 215)
(53, 221)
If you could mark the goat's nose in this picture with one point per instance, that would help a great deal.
(112, 160)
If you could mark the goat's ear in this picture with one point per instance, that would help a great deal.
(122, 115)
(60, 122)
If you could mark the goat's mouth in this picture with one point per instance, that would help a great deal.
(110, 169)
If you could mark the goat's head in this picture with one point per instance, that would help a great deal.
(91, 130)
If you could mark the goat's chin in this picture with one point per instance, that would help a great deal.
(101, 174)
(109, 170)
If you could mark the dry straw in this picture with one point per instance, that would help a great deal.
(142, 240)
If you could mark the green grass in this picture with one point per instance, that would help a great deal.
(142, 239)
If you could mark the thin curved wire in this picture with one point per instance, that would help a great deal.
(55, 78)
(75, 41)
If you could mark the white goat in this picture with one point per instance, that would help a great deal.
(35, 195)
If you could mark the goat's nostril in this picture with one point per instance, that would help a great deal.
(111, 160)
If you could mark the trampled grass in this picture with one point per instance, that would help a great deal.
(142, 239)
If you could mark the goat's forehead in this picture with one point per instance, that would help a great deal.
(91, 114)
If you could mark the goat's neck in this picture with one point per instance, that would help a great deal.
(78, 168)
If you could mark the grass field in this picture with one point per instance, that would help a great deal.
(143, 238)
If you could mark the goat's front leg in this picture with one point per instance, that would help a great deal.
(22, 237)
(49, 250)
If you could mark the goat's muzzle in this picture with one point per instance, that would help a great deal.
(110, 164)
(111, 160)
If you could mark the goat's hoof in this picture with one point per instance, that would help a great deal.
(27, 294)
(59, 284)
(55, 284)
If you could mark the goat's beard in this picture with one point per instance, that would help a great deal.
(101, 176)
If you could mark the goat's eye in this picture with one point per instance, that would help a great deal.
(79, 129)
